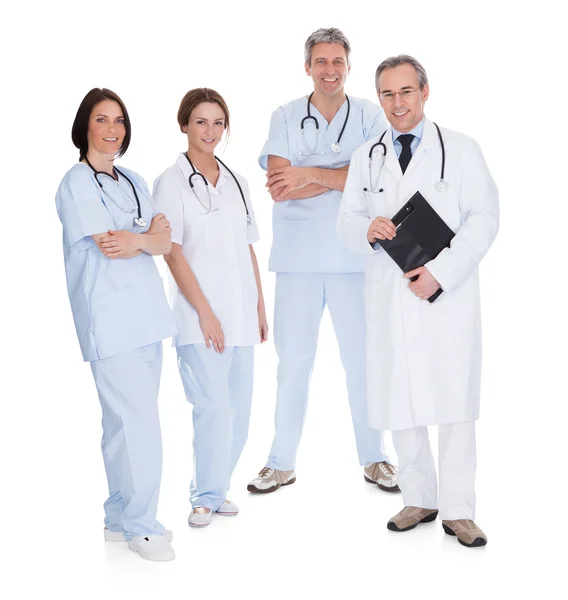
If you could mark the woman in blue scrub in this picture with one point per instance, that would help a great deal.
(110, 232)
(218, 301)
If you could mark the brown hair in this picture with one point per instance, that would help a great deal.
(81, 123)
(195, 97)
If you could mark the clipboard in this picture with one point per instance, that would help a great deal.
(421, 234)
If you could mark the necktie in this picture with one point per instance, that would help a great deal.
(406, 154)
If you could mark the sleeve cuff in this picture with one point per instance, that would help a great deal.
(274, 148)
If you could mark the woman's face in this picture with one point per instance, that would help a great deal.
(206, 127)
(106, 128)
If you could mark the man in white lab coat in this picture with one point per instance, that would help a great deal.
(423, 359)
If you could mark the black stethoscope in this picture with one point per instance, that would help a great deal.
(441, 186)
(335, 146)
(137, 220)
(208, 209)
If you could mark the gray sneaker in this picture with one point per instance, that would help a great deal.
(383, 474)
(467, 532)
(269, 480)
(410, 516)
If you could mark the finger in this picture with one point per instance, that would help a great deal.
(275, 187)
(414, 272)
(283, 193)
(207, 341)
(216, 345)
(159, 216)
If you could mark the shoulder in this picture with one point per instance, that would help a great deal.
(240, 178)
(290, 108)
(363, 151)
(79, 176)
(170, 176)
(365, 106)
(132, 175)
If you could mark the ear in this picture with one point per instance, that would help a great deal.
(426, 92)
(184, 128)
(308, 69)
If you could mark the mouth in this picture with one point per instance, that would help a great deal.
(400, 113)
(208, 141)
(110, 139)
(330, 79)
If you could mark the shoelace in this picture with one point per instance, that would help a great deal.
(387, 468)
(267, 471)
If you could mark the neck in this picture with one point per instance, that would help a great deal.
(101, 162)
(328, 105)
(203, 161)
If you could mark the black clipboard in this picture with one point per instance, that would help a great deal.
(421, 234)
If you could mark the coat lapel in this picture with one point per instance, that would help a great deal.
(429, 140)
(391, 160)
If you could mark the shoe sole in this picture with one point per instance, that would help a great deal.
(391, 525)
(254, 490)
(477, 542)
(227, 514)
(137, 551)
(385, 488)
(167, 536)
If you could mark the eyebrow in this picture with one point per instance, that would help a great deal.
(204, 119)
(107, 117)
(333, 58)
(404, 87)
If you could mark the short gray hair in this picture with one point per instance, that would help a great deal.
(326, 36)
(396, 61)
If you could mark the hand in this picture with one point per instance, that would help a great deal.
(262, 325)
(381, 228)
(159, 224)
(212, 332)
(120, 244)
(283, 180)
(425, 285)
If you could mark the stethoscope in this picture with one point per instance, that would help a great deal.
(441, 186)
(335, 146)
(137, 220)
(208, 209)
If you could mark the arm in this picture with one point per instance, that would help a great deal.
(262, 322)
(189, 286)
(296, 183)
(478, 202)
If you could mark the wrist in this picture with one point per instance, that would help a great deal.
(141, 241)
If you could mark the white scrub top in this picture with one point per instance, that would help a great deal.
(304, 234)
(118, 304)
(216, 247)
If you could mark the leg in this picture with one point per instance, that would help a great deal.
(457, 461)
(344, 297)
(240, 397)
(205, 376)
(416, 471)
(128, 385)
(299, 304)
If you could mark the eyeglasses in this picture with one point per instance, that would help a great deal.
(389, 96)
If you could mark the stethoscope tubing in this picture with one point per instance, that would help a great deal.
(309, 116)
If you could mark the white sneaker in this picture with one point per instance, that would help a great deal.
(269, 480)
(155, 547)
(118, 536)
(228, 509)
(383, 474)
(199, 519)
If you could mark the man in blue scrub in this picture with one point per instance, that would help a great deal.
(306, 157)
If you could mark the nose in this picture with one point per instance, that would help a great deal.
(397, 99)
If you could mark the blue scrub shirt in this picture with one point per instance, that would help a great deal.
(119, 304)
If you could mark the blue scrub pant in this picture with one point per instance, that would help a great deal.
(219, 386)
(128, 385)
(298, 307)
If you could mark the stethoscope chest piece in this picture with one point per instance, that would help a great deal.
(335, 148)
(140, 222)
(441, 186)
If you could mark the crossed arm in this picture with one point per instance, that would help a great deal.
(126, 244)
(285, 182)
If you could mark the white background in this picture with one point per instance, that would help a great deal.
(497, 72)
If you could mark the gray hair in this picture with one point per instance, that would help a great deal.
(396, 61)
(326, 36)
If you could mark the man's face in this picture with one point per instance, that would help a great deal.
(329, 68)
(401, 97)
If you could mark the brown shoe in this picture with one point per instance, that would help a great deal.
(410, 516)
(467, 532)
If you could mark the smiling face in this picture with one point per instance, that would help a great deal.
(106, 128)
(205, 127)
(329, 68)
(401, 97)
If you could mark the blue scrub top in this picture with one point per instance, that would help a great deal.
(305, 239)
(119, 304)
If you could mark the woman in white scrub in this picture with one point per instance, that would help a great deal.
(218, 302)
(110, 232)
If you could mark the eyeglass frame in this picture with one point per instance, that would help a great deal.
(403, 94)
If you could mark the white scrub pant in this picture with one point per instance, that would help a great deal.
(299, 302)
(219, 386)
(456, 462)
(128, 385)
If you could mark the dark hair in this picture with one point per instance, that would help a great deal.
(195, 97)
(81, 122)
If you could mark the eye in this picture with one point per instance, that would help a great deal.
(120, 120)
(100, 120)
(219, 123)
(388, 95)
(406, 92)
(200, 122)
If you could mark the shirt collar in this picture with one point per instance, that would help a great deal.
(416, 132)
(186, 169)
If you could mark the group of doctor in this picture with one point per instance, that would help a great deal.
(409, 363)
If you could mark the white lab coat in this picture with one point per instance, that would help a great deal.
(423, 360)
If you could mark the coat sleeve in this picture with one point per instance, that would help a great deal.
(479, 205)
(353, 219)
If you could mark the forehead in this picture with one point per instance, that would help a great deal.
(398, 77)
(107, 107)
(208, 110)
(328, 51)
